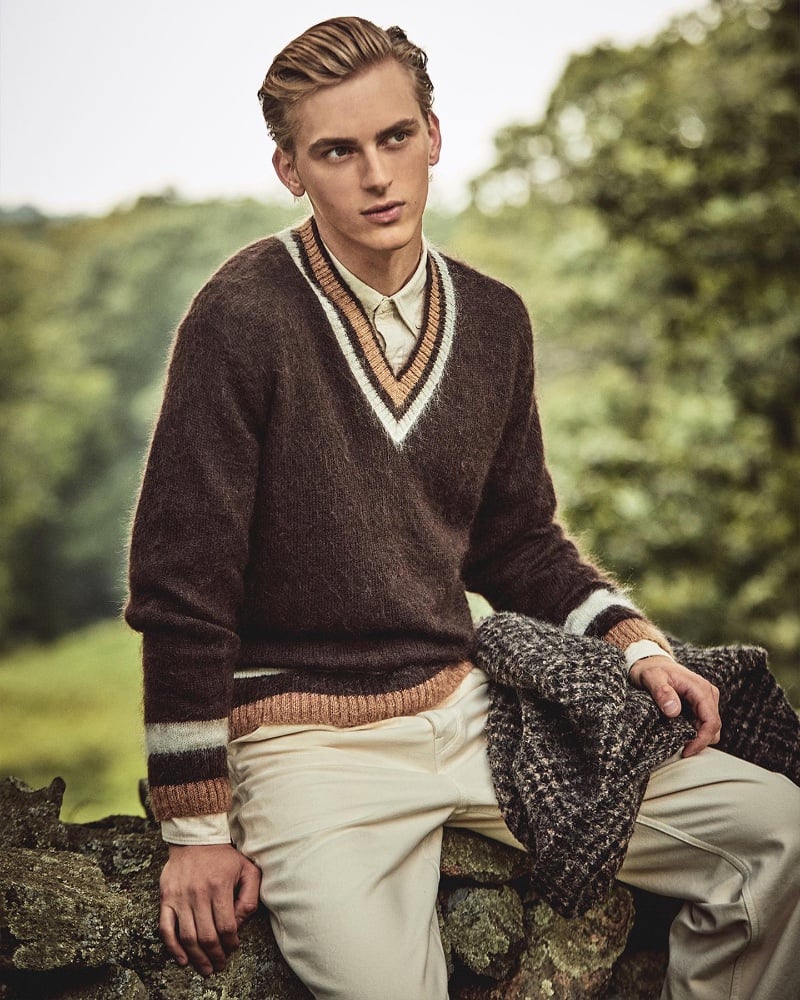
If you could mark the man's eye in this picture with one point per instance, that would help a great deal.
(337, 153)
(398, 138)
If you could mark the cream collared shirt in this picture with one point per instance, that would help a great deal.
(397, 319)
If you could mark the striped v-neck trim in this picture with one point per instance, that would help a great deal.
(399, 400)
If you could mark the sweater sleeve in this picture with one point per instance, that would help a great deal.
(189, 547)
(520, 558)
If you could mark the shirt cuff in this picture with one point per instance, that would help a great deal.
(193, 831)
(641, 649)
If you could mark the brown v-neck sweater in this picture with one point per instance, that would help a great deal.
(309, 521)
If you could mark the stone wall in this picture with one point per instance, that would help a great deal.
(79, 907)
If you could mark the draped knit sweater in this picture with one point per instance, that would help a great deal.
(309, 521)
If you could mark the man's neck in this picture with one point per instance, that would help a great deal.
(387, 271)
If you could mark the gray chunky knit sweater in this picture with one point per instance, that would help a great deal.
(572, 743)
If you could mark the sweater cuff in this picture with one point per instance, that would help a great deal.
(193, 831)
(631, 630)
(187, 768)
(193, 798)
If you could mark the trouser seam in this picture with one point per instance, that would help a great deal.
(737, 863)
(440, 750)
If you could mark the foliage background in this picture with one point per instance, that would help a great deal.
(650, 221)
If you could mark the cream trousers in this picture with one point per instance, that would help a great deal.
(346, 826)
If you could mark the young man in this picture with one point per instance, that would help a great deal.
(348, 440)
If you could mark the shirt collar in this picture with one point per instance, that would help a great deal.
(409, 300)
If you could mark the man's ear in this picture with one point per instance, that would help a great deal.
(435, 137)
(283, 162)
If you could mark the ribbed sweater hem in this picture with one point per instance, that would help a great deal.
(275, 706)
(343, 710)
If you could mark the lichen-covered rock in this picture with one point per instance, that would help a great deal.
(130, 853)
(107, 983)
(488, 862)
(56, 910)
(256, 971)
(79, 916)
(638, 976)
(485, 928)
(572, 958)
(121, 845)
(30, 818)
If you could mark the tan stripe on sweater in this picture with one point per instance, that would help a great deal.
(306, 708)
(397, 391)
(634, 630)
(197, 798)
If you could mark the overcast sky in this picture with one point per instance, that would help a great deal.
(101, 100)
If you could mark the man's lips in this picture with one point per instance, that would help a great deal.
(389, 211)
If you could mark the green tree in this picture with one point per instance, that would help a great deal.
(655, 218)
(87, 313)
(49, 394)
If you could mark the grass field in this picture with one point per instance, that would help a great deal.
(73, 708)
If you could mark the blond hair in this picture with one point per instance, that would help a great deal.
(328, 53)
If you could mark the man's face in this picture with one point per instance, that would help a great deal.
(363, 151)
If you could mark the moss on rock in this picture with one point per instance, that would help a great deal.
(79, 915)
(57, 911)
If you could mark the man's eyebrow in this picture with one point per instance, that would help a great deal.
(331, 142)
(404, 125)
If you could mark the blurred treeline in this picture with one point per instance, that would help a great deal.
(651, 223)
(88, 308)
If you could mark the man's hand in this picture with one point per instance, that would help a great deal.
(206, 894)
(668, 682)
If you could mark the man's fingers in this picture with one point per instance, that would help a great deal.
(656, 680)
(247, 898)
(706, 736)
(168, 931)
(179, 934)
(666, 697)
(703, 699)
(672, 686)
(189, 933)
(707, 721)
(210, 947)
(707, 733)
(226, 925)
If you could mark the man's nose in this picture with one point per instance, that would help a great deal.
(375, 174)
